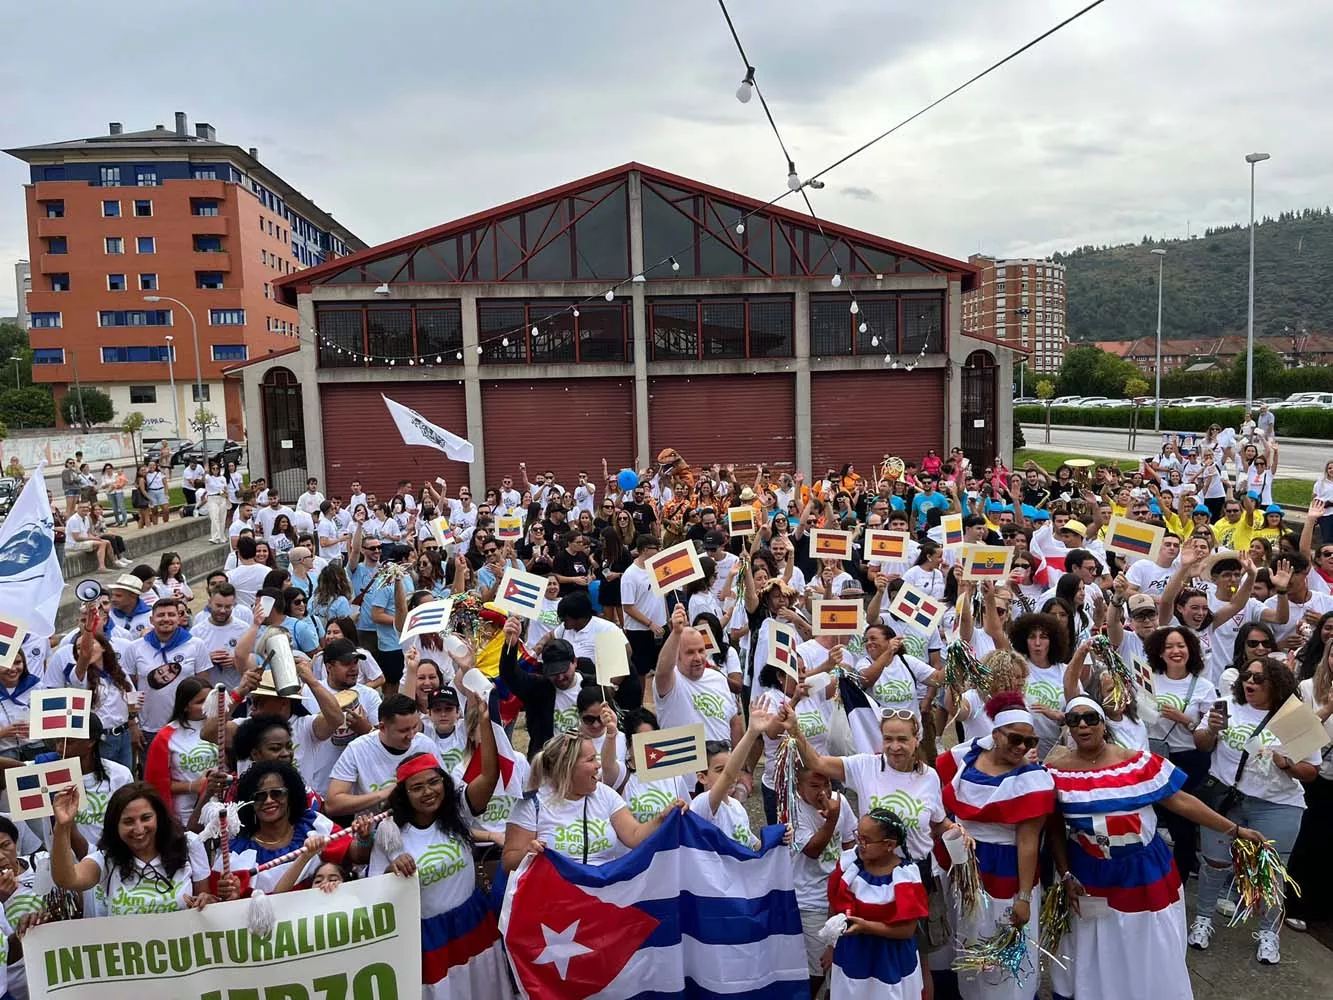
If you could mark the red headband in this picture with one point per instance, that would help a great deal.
(419, 763)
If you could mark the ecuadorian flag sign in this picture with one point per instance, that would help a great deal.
(986, 562)
(1134, 539)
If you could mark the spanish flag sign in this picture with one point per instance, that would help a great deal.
(986, 562)
(1133, 539)
(886, 546)
(509, 527)
(740, 521)
(952, 526)
(838, 617)
(826, 544)
(674, 567)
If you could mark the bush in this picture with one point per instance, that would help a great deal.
(30, 407)
(1019, 440)
(1307, 422)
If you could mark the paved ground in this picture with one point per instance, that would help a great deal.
(1299, 461)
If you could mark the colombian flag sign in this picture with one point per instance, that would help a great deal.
(986, 562)
(838, 617)
(952, 526)
(674, 567)
(886, 546)
(1134, 539)
(825, 544)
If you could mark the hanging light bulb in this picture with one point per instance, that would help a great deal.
(894, 365)
(439, 360)
(411, 362)
(746, 90)
(888, 358)
(863, 328)
(638, 278)
(793, 178)
(836, 280)
(576, 312)
(392, 362)
(675, 264)
(856, 307)
(874, 341)
(478, 348)
(535, 331)
(610, 295)
(740, 227)
(458, 356)
(504, 341)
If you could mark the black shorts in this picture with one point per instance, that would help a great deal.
(391, 662)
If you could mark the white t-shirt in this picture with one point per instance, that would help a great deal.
(309, 502)
(708, 700)
(931, 581)
(1148, 577)
(191, 756)
(1319, 603)
(646, 799)
(446, 874)
(810, 875)
(585, 498)
(1177, 694)
(111, 707)
(247, 579)
(449, 747)
(1218, 657)
(901, 685)
(585, 638)
(76, 525)
(220, 639)
(369, 766)
(1046, 686)
(1261, 779)
(330, 538)
(730, 817)
(158, 673)
(149, 889)
(560, 823)
(636, 591)
(913, 795)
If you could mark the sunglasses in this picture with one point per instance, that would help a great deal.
(1253, 678)
(1017, 739)
(1075, 719)
(370, 548)
(1144, 615)
(897, 713)
(1255, 643)
(276, 794)
(591, 720)
(860, 839)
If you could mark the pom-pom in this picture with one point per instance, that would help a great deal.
(210, 816)
(1057, 916)
(962, 669)
(216, 702)
(260, 917)
(1122, 677)
(1260, 878)
(965, 878)
(1003, 955)
(833, 929)
(389, 839)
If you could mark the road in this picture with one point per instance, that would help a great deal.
(1297, 461)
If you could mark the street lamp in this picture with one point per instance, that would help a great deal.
(198, 370)
(1251, 159)
(171, 376)
(16, 359)
(1157, 411)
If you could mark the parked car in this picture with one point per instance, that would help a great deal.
(230, 451)
(9, 489)
(1026, 401)
(177, 448)
(1093, 401)
(1195, 401)
(1066, 401)
(1317, 399)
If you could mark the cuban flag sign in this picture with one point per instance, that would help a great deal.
(689, 913)
(433, 616)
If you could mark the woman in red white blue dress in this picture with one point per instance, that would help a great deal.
(998, 793)
(883, 898)
(1106, 846)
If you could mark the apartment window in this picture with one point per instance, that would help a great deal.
(148, 282)
(57, 244)
(147, 244)
(110, 176)
(44, 320)
(54, 209)
(145, 176)
(143, 208)
(53, 173)
(226, 317)
(115, 282)
(155, 353)
(268, 290)
(111, 210)
(208, 279)
(208, 244)
(48, 355)
(134, 317)
(261, 223)
(196, 395)
(263, 257)
(143, 394)
(59, 282)
(202, 206)
(114, 244)
(228, 352)
(204, 173)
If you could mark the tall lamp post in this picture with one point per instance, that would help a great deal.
(1157, 411)
(1251, 159)
(198, 369)
(171, 377)
(17, 360)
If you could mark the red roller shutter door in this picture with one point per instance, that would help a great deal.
(564, 426)
(362, 442)
(860, 416)
(744, 419)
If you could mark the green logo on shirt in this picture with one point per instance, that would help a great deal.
(439, 861)
(742, 835)
(649, 802)
(94, 811)
(144, 898)
(1171, 701)
(498, 809)
(914, 645)
(893, 690)
(811, 723)
(1046, 694)
(1237, 736)
(569, 838)
(566, 718)
(21, 904)
(198, 758)
(909, 809)
(450, 759)
(709, 705)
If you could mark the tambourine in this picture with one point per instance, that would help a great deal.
(892, 468)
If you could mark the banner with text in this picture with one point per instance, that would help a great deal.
(362, 940)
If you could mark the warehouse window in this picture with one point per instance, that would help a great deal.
(715, 329)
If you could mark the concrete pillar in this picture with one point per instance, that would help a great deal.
(639, 317)
(304, 364)
(803, 416)
(472, 393)
(953, 381)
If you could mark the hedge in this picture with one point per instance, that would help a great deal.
(1306, 422)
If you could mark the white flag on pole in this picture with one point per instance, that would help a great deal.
(30, 577)
(416, 429)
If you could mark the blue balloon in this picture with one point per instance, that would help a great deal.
(627, 479)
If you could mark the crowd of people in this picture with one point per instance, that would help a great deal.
(1038, 767)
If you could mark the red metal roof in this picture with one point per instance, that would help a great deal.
(290, 285)
(1008, 345)
(229, 369)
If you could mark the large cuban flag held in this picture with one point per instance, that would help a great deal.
(688, 913)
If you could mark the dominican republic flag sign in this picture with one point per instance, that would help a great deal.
(32, 787)
(12, 631)
(918, 608)
(782, 643)
(669, 752)
(433, 616)
(1107, 836)
(521, 593)
(57, 712)
(687, 913)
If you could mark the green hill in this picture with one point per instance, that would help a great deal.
(1112, 291)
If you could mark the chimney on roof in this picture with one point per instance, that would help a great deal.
(182, 125)
(254, 152)
(115, 128)
(203, 130)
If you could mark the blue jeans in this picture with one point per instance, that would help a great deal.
(117, 748)
(118, 506)
(1278, 823)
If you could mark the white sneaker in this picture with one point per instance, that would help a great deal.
(1268, 949)
(1226, 907)
(1201, 933)
(1297, 924)
(122, 563)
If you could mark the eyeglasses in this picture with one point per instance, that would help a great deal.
(1017, 739)
(276, 794)
(432, 782)
(860, 839)
(591, 720)
(1144, 615)
(1252, 678)
(1075, 719)
(1256, 643)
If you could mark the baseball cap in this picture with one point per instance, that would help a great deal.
(556, 657)
(1201, 509)
(1140, 602)
(446, 697)
(714, 540)
(342, 650)
(127, 581)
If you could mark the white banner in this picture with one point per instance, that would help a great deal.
(31, 580)
(361, 941)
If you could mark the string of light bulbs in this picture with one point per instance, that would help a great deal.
(794, 185)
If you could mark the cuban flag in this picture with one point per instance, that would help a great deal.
(689, 913)
(867, 967)
(521, 593)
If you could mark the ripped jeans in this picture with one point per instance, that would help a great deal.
(1279, 823)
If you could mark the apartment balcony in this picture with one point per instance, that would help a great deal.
(53, 263)
(218, 260)
(52, 227)
(210, 225)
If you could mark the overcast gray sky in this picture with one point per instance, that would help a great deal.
(402, 114)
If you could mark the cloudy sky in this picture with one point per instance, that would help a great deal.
(402, 114)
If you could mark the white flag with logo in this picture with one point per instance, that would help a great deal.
(416, 429)
(30, 576)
